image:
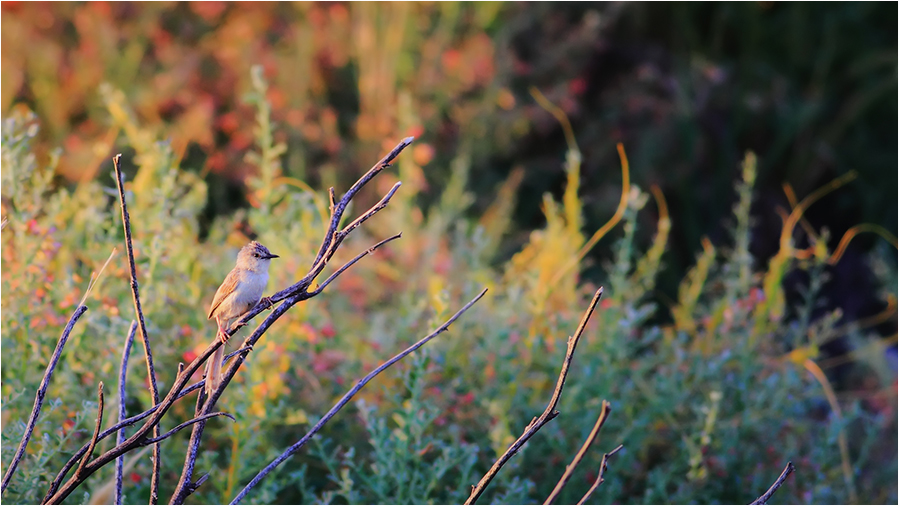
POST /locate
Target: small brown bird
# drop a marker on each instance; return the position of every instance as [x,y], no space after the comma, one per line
[239,293]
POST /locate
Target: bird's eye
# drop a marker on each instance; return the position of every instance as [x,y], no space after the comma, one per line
[256,255]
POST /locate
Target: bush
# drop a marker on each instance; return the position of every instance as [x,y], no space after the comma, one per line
[709,407]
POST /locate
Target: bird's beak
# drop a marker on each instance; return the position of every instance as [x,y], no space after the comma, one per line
[271,255]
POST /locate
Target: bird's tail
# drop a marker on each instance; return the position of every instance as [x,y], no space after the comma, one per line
[214,370]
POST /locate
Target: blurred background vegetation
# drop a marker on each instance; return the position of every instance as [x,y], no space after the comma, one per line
[725,350]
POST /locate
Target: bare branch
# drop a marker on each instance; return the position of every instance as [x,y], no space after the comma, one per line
[187,423]
[548,414]
[135,292]
[603,466]
[90,449]
[292,295]
[764,498]
[120,436]
[336,216]
[347,397]
[603,415]
[54,486]
[199,482]
[58,491]
[39,396]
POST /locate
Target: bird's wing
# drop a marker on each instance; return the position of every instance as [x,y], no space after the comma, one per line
[228,286]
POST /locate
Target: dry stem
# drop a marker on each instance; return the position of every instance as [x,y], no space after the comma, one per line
[90,449]
[603,466]
[603,415]
[135,292]
[120,436]
[39,396]
[764,498]
[548,414]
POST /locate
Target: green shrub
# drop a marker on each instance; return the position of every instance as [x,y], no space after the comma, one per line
[709,407]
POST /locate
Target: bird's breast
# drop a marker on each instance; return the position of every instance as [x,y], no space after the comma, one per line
[246,296]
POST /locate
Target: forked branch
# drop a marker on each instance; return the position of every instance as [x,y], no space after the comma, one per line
[548,414]
[74,459]
[600,478]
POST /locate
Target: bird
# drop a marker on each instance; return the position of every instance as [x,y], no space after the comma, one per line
[239,293]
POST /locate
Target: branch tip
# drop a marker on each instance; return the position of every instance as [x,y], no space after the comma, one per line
[764,498]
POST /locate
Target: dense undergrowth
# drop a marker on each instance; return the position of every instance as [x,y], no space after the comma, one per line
[709,408]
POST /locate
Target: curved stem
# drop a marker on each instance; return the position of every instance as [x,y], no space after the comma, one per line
[39,396]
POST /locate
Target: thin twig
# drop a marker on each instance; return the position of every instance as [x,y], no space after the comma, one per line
[340,207]
[39,396]
[347,397]
[603,415]
[120,436]
[349,264]
[603,466]
[90,449]
[195,485]
[548,414]
[135,292]
[780,481]
[187,423]
[235,353]
[95,277]
[199,482]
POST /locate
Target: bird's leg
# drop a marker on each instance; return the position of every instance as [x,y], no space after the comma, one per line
[266,302]
[222,334]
